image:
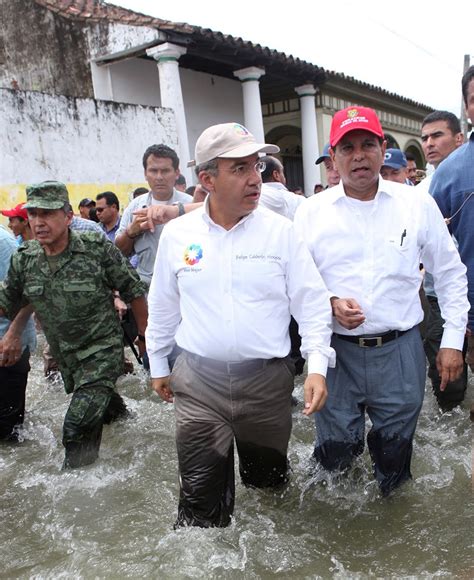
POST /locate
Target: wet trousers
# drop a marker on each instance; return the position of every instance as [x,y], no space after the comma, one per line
[454,393]
[387,382]
[13,381]
[250,405]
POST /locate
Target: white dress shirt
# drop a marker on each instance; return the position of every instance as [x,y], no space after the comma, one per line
[276,197]
[228,295]
[371,251]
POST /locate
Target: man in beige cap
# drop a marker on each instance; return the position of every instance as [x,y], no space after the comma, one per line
[227,278]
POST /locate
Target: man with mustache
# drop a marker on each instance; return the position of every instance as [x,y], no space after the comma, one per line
[69,280]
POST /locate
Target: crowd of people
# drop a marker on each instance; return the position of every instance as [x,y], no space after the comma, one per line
[235,288]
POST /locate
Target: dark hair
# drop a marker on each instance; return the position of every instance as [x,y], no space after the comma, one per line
[93,215]
[190,190]
[467,77]
[161,151]
[450,118]
[110,198]
[181,180]
[410,157]
[211,167]
[271,164]
[139,191]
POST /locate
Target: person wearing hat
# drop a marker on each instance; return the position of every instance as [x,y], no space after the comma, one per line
[368,237]
[394,167]
[85,205]
[18,222]
[332,175]
[69,280]
[227,278]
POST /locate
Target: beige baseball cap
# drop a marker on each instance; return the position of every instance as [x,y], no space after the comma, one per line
[228,140]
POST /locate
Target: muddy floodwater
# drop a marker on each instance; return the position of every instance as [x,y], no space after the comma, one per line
[115,518]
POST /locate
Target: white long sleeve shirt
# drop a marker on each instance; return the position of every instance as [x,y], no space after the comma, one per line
[276,197]
[371,251]
[228,295]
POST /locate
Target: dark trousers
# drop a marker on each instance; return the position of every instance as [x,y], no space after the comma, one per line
[454,392]
[214,411]
[13,381]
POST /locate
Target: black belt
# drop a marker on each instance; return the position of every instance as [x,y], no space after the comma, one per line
[240,368]
[368,340]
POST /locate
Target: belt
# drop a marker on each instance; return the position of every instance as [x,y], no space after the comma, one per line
[240,368]
[368,340]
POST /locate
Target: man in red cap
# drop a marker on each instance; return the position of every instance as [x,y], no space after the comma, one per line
[367,237]
[18,223]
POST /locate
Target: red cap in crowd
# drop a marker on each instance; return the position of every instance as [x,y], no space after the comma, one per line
[352,118]
[17,211]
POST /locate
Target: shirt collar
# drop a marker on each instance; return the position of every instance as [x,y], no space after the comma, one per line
[337,192]
[212,225]
[275,185]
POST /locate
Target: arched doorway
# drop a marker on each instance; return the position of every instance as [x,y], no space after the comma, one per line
[288,138]
[392,143]
[415,149]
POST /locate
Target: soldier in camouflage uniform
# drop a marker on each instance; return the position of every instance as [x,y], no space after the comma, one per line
[69,281]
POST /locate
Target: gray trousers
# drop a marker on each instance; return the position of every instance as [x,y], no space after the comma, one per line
[387,382]
[214,408]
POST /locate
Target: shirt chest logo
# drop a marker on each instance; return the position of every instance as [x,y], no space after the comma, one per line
[192,254]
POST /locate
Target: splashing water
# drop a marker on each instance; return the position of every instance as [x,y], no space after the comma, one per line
[114,519]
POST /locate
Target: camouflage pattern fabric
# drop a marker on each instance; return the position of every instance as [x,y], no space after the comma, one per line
[75,305]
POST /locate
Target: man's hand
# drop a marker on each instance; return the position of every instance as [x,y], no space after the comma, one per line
[139,223]
[449,363]
[347,312]
[149,217]
[315,393]
[162,387]
[10,349]
[120,307]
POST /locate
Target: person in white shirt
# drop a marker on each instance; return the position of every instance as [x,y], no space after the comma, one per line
[367,237]
[274,194]
[227,278]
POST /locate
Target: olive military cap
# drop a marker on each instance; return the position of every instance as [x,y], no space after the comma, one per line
[46,195]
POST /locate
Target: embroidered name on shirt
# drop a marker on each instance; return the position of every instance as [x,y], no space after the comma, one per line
[258,257]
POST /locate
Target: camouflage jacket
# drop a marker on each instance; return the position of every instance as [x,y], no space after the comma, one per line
[75,303]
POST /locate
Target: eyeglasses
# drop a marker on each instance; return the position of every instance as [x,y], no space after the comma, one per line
[246,169]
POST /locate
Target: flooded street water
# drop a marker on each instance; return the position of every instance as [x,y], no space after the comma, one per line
[114,519]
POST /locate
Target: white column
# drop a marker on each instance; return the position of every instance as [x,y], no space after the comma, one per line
[253,119]
[167,56]
[309,136]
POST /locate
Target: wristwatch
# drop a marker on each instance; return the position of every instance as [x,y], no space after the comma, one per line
[180,209]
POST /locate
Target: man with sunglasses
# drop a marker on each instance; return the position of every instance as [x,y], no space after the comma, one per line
[227,278]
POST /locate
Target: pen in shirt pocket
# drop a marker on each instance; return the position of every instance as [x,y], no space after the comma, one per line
[403,236]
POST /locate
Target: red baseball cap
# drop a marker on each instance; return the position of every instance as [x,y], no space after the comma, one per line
[17,211]
[352,118]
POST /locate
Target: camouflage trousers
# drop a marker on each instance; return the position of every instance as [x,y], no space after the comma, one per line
[94,401]
[89,409]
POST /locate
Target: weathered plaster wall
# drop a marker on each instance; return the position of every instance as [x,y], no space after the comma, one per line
[90,145]
[40,51]
[208,99]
